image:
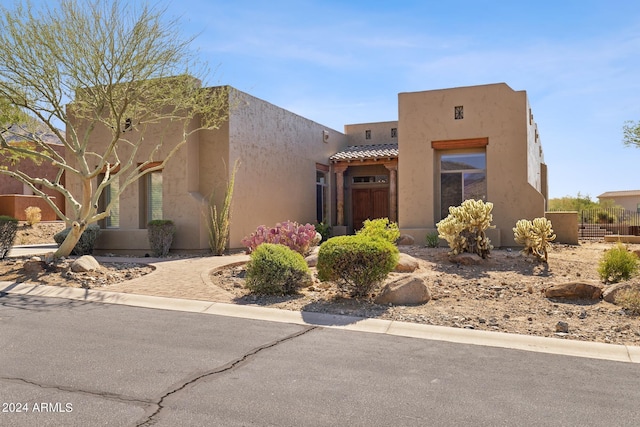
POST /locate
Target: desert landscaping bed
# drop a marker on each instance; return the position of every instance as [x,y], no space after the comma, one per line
[503,293]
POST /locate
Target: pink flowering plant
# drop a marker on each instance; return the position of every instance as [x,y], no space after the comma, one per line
[289,233]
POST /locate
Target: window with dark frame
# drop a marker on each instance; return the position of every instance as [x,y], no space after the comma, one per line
[458,112]
[394,132]
[367,134]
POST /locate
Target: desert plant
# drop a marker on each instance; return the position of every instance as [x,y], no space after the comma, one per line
[618,264]
[86,242]
[276,270]
[324,229]
[289,233]
[534,236]
[160,233]
[33,215]
[8,230]
[432,240]
[464,228]
[356,263]
[219,221]
[629,299]
[380,228]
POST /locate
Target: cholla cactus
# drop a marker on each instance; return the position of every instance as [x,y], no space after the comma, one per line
[534,236]
[464,228]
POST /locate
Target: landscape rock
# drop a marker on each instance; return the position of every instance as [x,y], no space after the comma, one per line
[465,259]
[609,295]
[406,264]
[408,290]
[34,265]
[575,290]
[85,263]
[405,240]
[562,327]
[312,260]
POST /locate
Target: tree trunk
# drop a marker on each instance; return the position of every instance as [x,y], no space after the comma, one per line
[70,241]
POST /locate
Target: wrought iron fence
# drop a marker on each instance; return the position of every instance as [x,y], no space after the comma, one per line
[594,224]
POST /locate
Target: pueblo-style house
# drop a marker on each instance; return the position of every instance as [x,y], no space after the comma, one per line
[446,146]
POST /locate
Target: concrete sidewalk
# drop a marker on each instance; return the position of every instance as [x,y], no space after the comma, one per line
[183,284]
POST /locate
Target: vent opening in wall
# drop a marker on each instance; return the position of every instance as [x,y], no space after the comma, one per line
[367,134]
[394,132]
[458,112]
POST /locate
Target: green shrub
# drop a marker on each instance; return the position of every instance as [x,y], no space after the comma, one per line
[618,264]
[8,230]
[380,228]
[86,242]
[534,236]
[160,233]
[464,228]
[629,299]
[433,240]
[275,269]
[356,263]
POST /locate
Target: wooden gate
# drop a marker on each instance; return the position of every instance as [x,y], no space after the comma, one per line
[369,203]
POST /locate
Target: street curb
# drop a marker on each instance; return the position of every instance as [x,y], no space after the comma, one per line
[613,352]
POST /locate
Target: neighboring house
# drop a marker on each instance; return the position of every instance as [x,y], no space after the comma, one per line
[15,196]
[629,200]
[447,145]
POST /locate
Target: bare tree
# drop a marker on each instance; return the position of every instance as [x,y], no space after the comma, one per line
[119,68]
[631,133]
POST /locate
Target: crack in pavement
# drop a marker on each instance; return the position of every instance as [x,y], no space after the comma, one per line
[225,368]
[107,395]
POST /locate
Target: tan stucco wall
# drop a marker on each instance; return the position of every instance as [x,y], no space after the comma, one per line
[496,112]
[278,151]
[629,203]
[380,133]
[565,226]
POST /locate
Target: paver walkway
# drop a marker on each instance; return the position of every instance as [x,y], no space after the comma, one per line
[186,278]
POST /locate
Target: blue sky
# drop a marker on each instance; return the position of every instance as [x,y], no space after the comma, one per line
[342,62]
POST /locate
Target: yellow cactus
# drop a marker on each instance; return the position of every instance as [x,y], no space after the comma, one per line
[534,236]
[464,228]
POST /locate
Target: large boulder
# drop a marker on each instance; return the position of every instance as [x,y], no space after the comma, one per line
[409,290]
[575,290]
[609,295]
[406,264]
[85,263]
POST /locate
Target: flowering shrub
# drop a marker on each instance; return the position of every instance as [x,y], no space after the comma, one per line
[289,233]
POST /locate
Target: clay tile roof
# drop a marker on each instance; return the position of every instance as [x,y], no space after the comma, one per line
[366,152]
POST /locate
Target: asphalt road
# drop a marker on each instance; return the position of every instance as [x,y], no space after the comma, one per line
[73,363]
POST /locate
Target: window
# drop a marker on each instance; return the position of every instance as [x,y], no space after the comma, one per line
[154,195]
[462,177]
[321,195]
[367,134]
[380,179]
[110,195]
[394,132]
[458,112]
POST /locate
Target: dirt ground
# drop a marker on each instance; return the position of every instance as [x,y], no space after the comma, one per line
[503,293]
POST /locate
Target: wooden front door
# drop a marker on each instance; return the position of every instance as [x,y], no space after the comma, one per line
[369,203]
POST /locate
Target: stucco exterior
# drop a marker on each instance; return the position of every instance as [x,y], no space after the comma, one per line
[629,200]
[14,202]
[493,115]
[283,155]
